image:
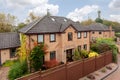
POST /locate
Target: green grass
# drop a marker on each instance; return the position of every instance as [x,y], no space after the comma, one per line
[9,63]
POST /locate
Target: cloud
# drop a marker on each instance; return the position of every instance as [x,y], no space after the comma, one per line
[114,4]
[25,3]
[115,18]
[38,7]
[79,14]
[42,9]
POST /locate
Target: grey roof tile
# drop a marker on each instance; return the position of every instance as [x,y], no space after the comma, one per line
[51,24]
[98,27]
[9,40]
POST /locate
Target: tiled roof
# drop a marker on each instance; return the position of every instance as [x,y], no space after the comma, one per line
[51,24]
[98,27]
[9,40]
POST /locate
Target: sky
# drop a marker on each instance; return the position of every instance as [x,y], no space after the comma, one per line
[77,10]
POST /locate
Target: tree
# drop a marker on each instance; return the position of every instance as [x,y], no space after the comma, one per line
[20,25]
[98,20]
[22,51]
[32,17]
[7,22]
[36,56]
[87,22]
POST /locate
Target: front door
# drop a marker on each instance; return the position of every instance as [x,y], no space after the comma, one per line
[69,55]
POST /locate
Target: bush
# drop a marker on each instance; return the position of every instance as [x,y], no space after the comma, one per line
[76,55]
[17,70]
[106,45]
[93,54]
[84,53]
[9,63]
[36,57]
[51,63]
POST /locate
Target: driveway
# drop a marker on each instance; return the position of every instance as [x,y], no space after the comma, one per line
[115,75]
[4,73]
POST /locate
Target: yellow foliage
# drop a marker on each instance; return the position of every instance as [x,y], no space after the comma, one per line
[93,54]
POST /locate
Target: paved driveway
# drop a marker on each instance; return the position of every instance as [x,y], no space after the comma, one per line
[116,74]
[4,73]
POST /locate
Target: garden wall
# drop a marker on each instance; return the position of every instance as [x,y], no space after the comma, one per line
[73,70]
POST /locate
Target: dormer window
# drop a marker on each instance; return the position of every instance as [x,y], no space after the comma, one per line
[52,19]
[65,20]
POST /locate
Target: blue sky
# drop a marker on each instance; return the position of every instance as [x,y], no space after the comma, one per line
[77,10]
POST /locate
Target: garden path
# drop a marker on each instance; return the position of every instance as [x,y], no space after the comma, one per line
[4,73]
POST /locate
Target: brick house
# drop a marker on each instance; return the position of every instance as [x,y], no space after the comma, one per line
[61,35]
[8,44]
[98,30]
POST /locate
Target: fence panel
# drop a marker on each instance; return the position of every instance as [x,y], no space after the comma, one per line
[108,58]
[58,73]
[88,66]
[30,76]
[75,70]
[100,61]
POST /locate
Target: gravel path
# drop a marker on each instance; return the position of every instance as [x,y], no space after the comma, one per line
[116,74]
[4,73]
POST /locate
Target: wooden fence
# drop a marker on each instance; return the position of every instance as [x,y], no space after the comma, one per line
[73,70]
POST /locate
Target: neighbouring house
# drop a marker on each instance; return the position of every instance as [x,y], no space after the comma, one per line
[98,30]
[8,44]
[60,34]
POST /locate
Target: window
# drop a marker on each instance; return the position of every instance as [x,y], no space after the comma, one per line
[12,52]
[40,38]
[70,36]
[52,55]
[79,48]
[100,32]
[85,34]
[85,46]
[93,32]
[79,35]
[52,37]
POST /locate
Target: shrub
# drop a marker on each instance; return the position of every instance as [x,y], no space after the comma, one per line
[84,53]
[36,57]
[17,70]
[76,55]
[105,45]
[51,63]
[93,54]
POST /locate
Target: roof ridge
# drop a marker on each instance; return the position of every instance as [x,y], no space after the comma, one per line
[35,23]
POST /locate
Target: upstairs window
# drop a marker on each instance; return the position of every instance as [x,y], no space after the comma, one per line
[52,37]
[52,55]
[70,36]
[85,34]
[93,32]
[79,35]
[40,38]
